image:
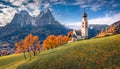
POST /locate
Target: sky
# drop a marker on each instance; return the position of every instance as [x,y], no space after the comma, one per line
[67,12]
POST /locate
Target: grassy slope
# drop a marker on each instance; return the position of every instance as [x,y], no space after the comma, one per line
[96,53]
[9,61]
[87,54]
[12,61]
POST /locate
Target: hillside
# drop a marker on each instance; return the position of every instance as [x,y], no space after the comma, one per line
[98,53]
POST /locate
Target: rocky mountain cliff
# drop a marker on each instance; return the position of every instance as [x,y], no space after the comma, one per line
[22,24]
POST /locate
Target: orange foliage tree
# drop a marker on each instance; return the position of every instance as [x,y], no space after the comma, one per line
[49,42]
[30,43]
[59,40]
[66,39]
[54,41]
[111,29]
[21,47]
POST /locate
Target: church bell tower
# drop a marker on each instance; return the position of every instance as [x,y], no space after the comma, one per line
[84,26]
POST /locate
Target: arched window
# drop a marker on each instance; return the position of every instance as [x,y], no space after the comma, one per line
[82,25]
[82,22]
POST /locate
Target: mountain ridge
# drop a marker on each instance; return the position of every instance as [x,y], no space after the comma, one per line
[23,24]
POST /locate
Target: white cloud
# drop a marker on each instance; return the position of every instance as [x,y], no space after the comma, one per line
[115,5]
[53,0]
[7,16]
[97,5]
[9,12]
[32,7]
[1,5]
[46,5]
[18,2]
[85,6]
[100,20]
[35,12]
[75,25]
[105,20]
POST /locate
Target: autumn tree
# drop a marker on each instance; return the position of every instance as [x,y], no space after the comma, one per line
[54,41]
[111,29]
[59,40]
[30,43]
[66,39]
[21,47]
[49,42]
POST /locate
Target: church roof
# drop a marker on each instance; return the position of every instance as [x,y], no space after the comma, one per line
[73,35]
[77,33]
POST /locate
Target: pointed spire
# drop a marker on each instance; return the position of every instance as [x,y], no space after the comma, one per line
[84,13]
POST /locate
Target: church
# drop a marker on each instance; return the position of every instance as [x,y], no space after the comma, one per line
[83,33]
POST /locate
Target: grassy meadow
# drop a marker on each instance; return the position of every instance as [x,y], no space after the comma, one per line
[10,61]
[97,53]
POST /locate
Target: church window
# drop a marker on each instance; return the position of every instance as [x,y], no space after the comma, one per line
[82,25]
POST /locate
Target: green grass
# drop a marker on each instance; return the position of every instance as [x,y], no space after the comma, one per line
[98,53]
[12,61]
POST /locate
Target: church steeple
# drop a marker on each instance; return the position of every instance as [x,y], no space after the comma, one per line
[84,26]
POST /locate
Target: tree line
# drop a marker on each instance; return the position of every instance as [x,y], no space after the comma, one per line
[31,44]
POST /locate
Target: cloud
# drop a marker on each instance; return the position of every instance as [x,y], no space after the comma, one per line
[115,5]
[10,7]
[75,25]
[107,19]
[7,15]
[28,5]
[95,7]
[85,6]
[33,6]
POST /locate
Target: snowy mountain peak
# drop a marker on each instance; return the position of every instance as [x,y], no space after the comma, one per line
[24,19]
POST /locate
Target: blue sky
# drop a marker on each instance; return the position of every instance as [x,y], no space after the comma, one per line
[68,12]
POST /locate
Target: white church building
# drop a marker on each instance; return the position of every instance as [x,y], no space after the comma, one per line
[83,33]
